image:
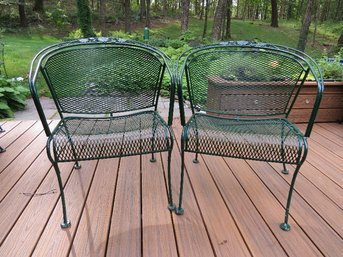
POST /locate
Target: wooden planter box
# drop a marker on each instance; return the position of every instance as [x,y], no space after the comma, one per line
[331,107]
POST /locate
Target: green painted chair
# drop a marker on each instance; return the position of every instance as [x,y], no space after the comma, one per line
[106,91]
[2,149]
[2,60]
[241,94]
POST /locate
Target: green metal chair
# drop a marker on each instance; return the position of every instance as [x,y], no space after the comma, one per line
[2,60]
[241,94]
[106,91]
[2,149]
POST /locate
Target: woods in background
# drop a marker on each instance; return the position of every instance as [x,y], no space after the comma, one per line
[24,12]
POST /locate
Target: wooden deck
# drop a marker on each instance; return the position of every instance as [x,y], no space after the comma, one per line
[118,207]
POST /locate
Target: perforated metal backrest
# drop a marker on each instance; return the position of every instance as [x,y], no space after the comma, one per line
[243,81]
[94,78]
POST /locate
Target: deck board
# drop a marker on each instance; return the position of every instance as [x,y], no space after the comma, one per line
[118,207]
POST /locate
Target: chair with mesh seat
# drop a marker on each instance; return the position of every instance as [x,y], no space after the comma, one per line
[2,60]
[241,94]
[106,91]
[2,149]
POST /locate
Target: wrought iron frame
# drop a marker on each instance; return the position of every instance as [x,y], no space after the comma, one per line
[37,67]
[300,57]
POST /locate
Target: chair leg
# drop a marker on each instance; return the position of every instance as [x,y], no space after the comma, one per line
[171,205]
[2,150]
[77,165]
[66,223]
[285,170]
[180,210]
[153,159]
[285,226]
[195,160]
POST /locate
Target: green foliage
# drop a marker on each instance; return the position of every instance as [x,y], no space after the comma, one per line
[332,69]
[76,34]
[58,16]
[85,19]
[12,97]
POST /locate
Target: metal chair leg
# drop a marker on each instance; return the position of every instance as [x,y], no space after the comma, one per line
[285,226]
[180,210]
[171,205]
[285,170]
[66,223]
[2,150]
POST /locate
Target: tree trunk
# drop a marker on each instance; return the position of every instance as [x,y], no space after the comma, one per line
[85,20]
[237,10]
[38,6]
[274,14]
[340,41]
[127,15]
[165,8]
[22,14]
[147,14]
[142,9]
[102,10]
[202,9]
[207,2]
[184,15]
[305,26]
[218,20]
[228,20]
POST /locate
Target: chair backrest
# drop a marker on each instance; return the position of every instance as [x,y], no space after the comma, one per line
[244,79]
[101,75]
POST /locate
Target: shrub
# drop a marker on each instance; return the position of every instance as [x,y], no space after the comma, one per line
[12,97]
[332,69]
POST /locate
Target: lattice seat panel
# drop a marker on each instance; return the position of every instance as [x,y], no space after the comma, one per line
[94,138]
[274,140]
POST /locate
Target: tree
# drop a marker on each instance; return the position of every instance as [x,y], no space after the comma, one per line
[207,2]
[102,10]
[305,26]
[185,15]
[127,15]
[274,14]
[84,17]
[218,20]
[38,6]
[228,20]
[340,40]
[22,14]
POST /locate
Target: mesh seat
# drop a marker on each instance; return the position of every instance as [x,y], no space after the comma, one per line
[241,94]
[274,140]
[85,138]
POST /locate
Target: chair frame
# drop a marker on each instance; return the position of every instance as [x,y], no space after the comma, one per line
[184,76]
[2,149]
[111,44]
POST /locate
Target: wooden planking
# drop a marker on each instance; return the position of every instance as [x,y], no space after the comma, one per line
[8,126]
[158,235]
[25,234]
[25,136]
[91,236]
[16,132]
[21,162]
[326,239]
[125,231]
[256,233]
[54,240]
[335,128]
[190,231]
[296,242]
[15,202]
[330,134]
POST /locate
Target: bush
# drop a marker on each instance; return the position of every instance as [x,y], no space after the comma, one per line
[332,69]
[12,97]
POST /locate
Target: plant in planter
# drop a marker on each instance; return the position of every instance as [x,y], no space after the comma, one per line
[331,67]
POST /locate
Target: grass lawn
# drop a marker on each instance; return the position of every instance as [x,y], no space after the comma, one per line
[20,48]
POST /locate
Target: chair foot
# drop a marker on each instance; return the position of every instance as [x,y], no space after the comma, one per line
[285,171]
[179,211]
[2,150]
[195,161]
[172,207]
[65,224]
[153,159]
[285,226]
[77,165]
